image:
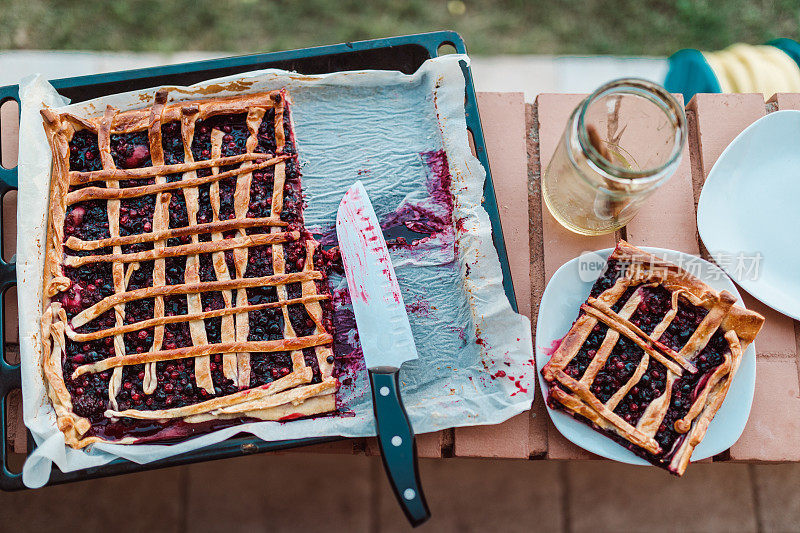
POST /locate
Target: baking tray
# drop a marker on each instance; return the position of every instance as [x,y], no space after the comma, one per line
[405,53]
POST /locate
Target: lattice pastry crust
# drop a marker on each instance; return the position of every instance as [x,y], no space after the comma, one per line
[650,357]
[179,279]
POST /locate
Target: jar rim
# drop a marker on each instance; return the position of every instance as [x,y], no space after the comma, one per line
[662,99]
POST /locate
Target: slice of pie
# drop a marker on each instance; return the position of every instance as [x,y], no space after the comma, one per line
[651,356]
[181,290]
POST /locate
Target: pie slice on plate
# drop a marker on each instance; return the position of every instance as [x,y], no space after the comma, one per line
[651,356]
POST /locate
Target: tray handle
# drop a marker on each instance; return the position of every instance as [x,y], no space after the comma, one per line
[8,176]
[10,377]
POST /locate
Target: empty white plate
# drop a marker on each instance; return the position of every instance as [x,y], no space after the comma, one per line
[568,289]
[749,211]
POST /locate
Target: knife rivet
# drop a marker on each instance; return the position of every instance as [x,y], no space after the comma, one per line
[384,391]
[409,494]
[249,448]
[397,440]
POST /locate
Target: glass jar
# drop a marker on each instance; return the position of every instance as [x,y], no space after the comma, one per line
[620,144]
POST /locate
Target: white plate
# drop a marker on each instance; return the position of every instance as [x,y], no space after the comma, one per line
[757,177]
[569,288]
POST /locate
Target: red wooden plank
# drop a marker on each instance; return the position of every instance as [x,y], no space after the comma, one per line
[667,219]
[537,431]
[786,100]
[558,447]
[772,433]
[429,445]
[537,434]
[772,430]
[560,245]
[504,128]
[507,440]
[345,446]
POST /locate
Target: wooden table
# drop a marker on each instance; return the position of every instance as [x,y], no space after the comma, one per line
[520,139]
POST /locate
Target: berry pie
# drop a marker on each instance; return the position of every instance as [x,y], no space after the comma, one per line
[651,356]
[182,292]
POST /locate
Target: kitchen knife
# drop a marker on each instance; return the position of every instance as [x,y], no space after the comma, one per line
[386,341]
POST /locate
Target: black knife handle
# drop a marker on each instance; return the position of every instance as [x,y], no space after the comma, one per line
[398,448]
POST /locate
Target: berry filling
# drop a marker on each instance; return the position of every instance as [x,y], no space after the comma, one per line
[310,357]
[87,221]
[686,321]
[131,150]
[260,195]
[259,262]
[136,217]
[619,368]
[613,270]
[234,139]
[654,305]
[292,196]
[88,285]
[90,391]
[172,143]
[84,152]
[577,366]
[687,387]
[267,367]
[650,386]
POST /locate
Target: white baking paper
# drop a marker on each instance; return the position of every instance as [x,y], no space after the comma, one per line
[386,129]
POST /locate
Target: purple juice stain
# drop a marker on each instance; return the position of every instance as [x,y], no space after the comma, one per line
[433,215]
[349,357]
[427,218]
[439,181]
[419,306]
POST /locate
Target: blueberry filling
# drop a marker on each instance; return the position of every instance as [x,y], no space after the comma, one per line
[577,366]
[131,150]
[686,321]
[618,369]
[614,270]
[84,152]
[655,303]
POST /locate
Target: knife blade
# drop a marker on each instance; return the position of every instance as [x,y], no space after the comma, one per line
[386,341]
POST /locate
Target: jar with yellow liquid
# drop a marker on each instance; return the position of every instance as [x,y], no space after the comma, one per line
[620,144]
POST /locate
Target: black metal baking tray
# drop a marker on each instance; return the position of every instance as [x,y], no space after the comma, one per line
[405,54]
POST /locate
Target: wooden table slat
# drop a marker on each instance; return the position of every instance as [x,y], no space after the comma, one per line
[668,219]
[504,127]
[773,430]
[560,245]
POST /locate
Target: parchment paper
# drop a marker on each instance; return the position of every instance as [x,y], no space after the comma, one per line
[389,130]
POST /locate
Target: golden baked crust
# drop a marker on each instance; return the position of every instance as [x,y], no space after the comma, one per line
[302,390]
[693,346]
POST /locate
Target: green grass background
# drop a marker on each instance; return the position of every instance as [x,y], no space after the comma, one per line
[645,27]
